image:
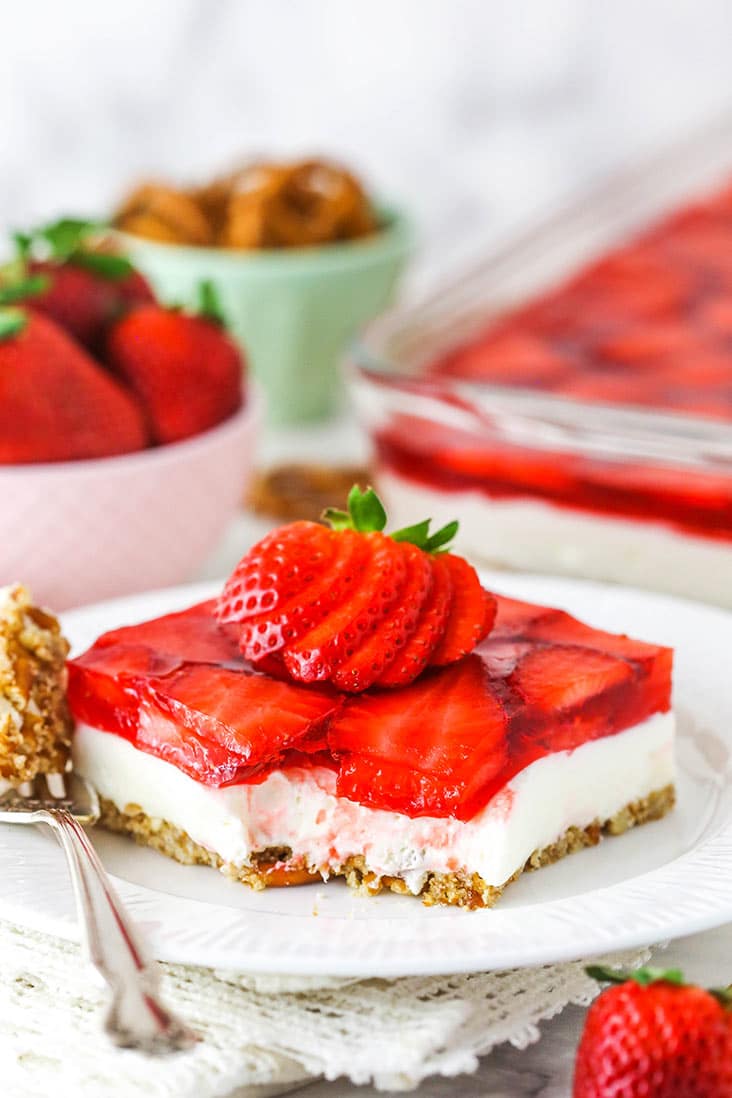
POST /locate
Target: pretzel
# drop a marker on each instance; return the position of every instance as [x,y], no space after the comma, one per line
[259,205]
[163,213]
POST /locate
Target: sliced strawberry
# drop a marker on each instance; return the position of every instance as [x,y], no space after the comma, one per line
[270,632]
[428,749]
[247,715]
[368,661]
[645,345]
[186,636]
[277,568]
[312,657]
[472,613]
[513,617]
[563,676]
[561,628]
[412,659]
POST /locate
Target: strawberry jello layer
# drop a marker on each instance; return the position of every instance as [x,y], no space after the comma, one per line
[648,326]
[519,753]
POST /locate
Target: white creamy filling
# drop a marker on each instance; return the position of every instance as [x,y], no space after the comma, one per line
[298,808]
[536,536]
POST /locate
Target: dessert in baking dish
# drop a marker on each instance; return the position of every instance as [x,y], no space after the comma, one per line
[550,486]
[357,705]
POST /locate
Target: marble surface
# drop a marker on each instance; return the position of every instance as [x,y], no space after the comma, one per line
[474,113]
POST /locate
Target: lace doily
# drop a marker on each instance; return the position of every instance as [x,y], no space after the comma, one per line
[255,1030]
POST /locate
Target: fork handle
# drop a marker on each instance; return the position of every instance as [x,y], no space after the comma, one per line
[137,1018]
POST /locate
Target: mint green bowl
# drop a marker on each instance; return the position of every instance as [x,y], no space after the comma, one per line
[293,310]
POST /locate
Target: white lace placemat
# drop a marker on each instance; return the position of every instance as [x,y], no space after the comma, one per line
[264,1030]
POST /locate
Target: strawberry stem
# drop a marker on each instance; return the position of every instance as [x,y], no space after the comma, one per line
[643,976]
[366,513]
[12,322]
[68,240]
[22,288]
[209,303]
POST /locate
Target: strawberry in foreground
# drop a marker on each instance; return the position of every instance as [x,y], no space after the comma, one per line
[185,368]
[653,1036]
[353,605]
[56,403]
[83,289]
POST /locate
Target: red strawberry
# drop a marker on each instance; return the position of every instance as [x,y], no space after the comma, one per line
[472,613]
[269,633]
[652,1036]
[82,289]
[56,403]
[378,651]
[427,749]
[185,369]
[340,605]
[562,676]
[414,656]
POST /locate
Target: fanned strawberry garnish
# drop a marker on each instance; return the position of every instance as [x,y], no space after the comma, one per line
[274,572]
[413,657]
[352,605]
[314,656]
[377,652]
[472,613]
[269,633]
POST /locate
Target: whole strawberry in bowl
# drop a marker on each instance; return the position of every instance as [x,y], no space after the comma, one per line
[651,1035]
[127,431]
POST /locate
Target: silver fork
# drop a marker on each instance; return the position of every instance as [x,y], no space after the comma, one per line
[137,1018]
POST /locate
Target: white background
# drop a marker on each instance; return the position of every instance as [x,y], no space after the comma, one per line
[473,112]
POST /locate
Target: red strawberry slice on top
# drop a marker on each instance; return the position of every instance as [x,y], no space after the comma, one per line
[317,594]
[472,613]
[412,657]
[314,655]
[280,566]
[427,748]
[248,715]
[381,648]
[562,677]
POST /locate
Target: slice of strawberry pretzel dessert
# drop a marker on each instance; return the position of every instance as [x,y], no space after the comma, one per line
[355,704]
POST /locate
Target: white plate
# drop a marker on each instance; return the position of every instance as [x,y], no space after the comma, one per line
[666,879]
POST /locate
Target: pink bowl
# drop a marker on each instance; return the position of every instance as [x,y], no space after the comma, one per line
[80,531]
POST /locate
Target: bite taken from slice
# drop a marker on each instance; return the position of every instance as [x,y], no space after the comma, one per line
[355,704]
[35,722]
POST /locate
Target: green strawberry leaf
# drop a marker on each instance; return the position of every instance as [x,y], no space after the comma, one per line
[209,303]
[23,288]
[12,322]
[106,264]
[723,995]
[366,513]
[441,537]
[339,520]
[23,244]
[366,510]
[643,976]
[418,534]
[67,235]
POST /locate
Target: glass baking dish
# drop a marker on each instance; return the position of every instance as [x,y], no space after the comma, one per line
[555,483]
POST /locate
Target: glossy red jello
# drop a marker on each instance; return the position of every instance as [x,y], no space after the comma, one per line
[649,327]
[541,682]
